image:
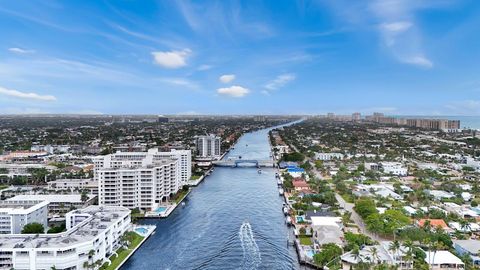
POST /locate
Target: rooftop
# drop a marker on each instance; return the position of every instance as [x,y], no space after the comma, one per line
[52,198]
[100,218]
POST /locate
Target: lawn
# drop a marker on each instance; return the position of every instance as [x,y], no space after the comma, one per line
[195,177]
[180,195]
[3,187]
[305,240]
[123,253]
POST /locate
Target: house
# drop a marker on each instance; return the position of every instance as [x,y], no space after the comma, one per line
[394,168]
[469,247]
[471,227]
[434,223]
[383,255]
[315,213]
[443,260]
[299,184]
[327,230]
[440,194]
[295,171]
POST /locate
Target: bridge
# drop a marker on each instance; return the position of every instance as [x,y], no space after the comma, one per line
[243,163]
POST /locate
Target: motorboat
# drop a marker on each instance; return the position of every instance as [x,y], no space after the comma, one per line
[259,171]
[289,220]
[280,191]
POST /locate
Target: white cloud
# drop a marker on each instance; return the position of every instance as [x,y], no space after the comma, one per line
[418,60]
[20,51]
[233,91]
[227,78]
[280,81]
[23,95]
[171,59]
[396,27]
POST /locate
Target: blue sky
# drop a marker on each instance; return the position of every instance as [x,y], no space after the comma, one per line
[240,57]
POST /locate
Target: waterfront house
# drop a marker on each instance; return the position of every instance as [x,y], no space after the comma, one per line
[327,230]
[299,184]
[377,254]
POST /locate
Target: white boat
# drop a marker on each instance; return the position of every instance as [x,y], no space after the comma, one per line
[285,210]
[289,220]
[280,191]
[279,182]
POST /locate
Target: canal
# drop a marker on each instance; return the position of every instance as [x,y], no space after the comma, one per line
[232,220]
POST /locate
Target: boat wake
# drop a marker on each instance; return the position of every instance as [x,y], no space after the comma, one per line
[251,252]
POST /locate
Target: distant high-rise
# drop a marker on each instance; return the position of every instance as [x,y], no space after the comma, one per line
[208,146]
[356,116]
[162,119]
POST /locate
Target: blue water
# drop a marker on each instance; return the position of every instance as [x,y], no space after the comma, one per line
[233,220]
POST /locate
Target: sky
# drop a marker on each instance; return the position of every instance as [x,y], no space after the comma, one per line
[399,57]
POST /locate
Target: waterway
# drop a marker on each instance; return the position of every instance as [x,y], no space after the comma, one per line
[232,220]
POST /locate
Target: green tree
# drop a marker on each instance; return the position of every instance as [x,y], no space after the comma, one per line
[329,252]
[33,227]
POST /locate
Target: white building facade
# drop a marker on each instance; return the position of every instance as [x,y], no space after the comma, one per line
[141,179]
[14,215]
[208,146]
[97,229]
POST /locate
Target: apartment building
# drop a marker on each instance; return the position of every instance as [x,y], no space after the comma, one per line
[140,179]
[57,203]
[208,146]
[74,184]
[329,156]
[14,215]
[94,228]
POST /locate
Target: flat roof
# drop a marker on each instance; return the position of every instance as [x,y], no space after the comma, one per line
[442,257]
[100,218]
[52,198]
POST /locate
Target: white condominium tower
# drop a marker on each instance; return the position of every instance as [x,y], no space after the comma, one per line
[141,179]
[208,146]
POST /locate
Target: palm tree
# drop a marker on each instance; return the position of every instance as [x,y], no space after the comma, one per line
[356,254]
[375,257]
[394,247]
[465,225]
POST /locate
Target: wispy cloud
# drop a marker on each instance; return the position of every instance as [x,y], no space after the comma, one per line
[464,107]
[204,67]
[171,59]
[227,78]
[280,81]
[24,95]
[20,50]
[233,91]
[179,82]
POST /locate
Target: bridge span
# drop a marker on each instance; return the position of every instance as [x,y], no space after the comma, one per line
[243,163]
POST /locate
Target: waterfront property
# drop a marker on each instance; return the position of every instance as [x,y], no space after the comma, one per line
[93,234]
[141,179]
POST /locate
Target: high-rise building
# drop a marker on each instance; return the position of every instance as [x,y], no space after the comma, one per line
[208,146]
[141,179]
[356,116]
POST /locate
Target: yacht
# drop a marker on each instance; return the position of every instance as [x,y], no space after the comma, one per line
[280,191]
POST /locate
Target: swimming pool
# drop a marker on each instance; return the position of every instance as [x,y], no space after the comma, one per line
[161,209]
[309,253]
[141,231]
[300,219]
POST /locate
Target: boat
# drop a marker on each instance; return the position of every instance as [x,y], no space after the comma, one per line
[183,203]
[285,210]
[289,220]
[239,157]
[259,171]
[280,191]
[279,182]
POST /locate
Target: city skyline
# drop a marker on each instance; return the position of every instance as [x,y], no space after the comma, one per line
[308,57]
